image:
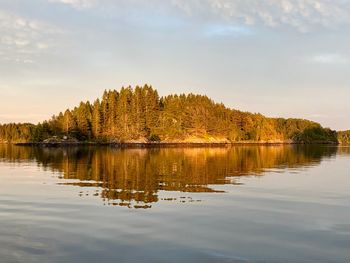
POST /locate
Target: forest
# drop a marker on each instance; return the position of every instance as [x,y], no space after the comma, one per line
[344,137]
[140,115]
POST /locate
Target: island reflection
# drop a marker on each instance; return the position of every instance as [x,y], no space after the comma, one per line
[134,177]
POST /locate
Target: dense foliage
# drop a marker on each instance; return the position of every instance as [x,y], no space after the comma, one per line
[17,132]
[344,137]
[141,115]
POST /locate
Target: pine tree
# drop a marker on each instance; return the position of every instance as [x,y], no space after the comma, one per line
[140,113]
[69,124]
[96,120]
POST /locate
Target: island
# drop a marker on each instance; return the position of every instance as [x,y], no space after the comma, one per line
[139,116]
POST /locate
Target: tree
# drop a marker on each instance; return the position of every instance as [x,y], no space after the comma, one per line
[97,120]
[140,113]
[69,124]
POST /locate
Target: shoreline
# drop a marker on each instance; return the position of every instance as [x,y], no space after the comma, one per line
[168,144]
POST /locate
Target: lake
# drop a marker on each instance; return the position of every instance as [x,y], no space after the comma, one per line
[223,204]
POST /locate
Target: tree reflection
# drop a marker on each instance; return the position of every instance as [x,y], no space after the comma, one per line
[134,177]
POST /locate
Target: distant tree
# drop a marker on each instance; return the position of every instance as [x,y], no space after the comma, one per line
[97,120]
[343,137]
[69,123]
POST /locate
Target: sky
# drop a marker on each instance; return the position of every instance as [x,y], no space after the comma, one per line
[281,58]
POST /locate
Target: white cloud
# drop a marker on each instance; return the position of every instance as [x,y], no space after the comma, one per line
[42,46]
[304,15]
[22,38]
[300,14]
[329,59]
[80,4]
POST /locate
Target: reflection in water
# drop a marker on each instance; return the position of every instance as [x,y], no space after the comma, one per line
[133,177]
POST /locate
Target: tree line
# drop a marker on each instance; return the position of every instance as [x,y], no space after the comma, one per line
[140,114]
[344,137]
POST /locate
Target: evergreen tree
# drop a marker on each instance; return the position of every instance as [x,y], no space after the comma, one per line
[97,120]
[134,114]
[69,124]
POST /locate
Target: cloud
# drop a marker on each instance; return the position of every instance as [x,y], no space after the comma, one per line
[22,38]
[303,15]
[227,30]
[79,4]
[329,59]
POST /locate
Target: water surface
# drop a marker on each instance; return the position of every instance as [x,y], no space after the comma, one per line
[228,204]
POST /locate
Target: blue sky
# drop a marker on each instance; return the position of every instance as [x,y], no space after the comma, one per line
[282,58]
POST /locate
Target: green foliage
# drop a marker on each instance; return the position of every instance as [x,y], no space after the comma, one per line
[154,138]
[140,114]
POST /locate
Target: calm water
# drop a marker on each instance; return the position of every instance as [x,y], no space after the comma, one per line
[237,204]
